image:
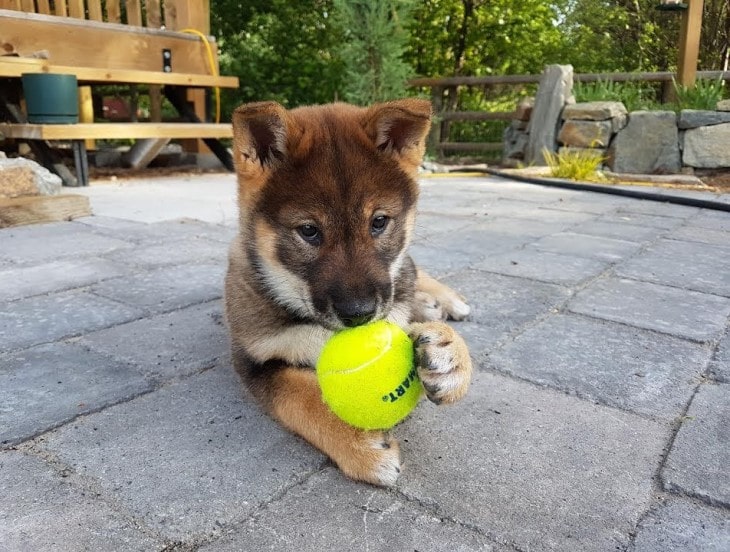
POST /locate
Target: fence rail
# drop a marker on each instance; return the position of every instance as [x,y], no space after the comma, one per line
[444,96]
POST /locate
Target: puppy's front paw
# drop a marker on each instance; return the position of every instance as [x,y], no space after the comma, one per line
[373,457]
[443,361]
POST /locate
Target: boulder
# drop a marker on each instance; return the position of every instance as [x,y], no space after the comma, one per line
[515,143]
[693,118]
[723,105]
[598,111]
[707,147]
[23,177]
[554,91]
[649,144]
[585,134]
[523,111]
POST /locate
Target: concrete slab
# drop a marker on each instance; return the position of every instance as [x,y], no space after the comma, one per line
[41,509]
[583,245]
[532,467]
[618,230]
[502,304]
[167,288]
[544,266]
[48,318]
[627,368]
[175,252]
[169,345]
[697,464]
[46,386]
[690,265]
[45,242]
[690,233]
[206,197]
[720,365]
[679,312]
[351,517]
[683,525]
[27,281]
[189,460]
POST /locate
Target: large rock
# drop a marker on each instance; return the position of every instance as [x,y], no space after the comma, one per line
[693,118]
[585,134]
[707,147]
[554,91]
[723,105]
[649,144]
[515,143]
[594,111]
[23,177]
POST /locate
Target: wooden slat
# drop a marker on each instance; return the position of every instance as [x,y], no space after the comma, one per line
[44,7]
[116,130]
[36,209]
[77,42]
[154,14]
[134,12]
[15,67]
[10,5]
[60,8]
[170,15]
[477,115]
[27,5]
[95,13]
[76,9]
[113,12]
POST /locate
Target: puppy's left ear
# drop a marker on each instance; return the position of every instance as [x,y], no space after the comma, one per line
[400,128]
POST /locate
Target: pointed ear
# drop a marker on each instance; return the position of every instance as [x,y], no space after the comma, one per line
[400,128]
[259,137]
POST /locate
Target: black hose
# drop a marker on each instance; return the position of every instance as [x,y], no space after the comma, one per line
[637,194]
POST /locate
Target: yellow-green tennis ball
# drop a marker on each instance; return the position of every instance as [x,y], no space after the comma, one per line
[368,377]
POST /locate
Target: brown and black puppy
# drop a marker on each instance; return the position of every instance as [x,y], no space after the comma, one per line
[327,199]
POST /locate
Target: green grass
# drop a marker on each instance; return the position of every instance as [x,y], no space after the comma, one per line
[703,95]
[575,164]
[634,95]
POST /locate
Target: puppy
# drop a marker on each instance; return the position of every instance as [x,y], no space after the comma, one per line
[327,198]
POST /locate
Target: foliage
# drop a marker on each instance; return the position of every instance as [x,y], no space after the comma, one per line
[633,94]
[280,50]
[580,164]
[374,37]
[703,95]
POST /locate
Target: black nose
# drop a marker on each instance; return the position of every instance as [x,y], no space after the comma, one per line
[355,312]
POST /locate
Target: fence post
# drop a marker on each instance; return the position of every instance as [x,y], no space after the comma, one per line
[434,137]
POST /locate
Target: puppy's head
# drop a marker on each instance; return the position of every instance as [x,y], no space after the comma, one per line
[327,197]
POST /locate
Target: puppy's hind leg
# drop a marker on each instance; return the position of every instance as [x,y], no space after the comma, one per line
[292,396]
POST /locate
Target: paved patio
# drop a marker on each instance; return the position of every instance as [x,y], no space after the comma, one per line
[599,418]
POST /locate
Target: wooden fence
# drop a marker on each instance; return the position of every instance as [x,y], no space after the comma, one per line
[444,95]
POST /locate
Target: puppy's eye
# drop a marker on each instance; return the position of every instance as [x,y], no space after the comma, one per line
[378,225]
[310,234]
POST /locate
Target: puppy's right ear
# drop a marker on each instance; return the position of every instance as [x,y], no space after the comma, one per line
[259,138]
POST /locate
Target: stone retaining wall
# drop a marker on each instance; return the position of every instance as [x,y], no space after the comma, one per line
[648,142]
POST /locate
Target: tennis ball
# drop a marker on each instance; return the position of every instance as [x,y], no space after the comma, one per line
[367,375]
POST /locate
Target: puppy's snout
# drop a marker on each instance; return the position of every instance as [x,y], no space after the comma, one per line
[355,312]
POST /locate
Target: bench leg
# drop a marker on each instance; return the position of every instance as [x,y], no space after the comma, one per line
[82,163]
[177,97]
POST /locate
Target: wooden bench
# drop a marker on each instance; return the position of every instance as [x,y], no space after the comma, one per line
[162,45]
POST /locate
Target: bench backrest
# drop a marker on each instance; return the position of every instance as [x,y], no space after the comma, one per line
[142,13]
[115,34]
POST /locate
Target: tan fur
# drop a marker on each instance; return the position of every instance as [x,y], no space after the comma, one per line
[334,168]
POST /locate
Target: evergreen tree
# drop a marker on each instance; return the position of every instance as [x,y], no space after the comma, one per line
[375,38]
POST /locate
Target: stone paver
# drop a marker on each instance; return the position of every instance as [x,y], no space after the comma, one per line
[583,245]
[46,318]
[533,467]
[41,509]
[624,367]
[167,288]
[666,309]
[214,459]
[124,427]
[48,385]
[690,265]
[168,345]
[351,517]
[26,281]
[682,525]
[705,428]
